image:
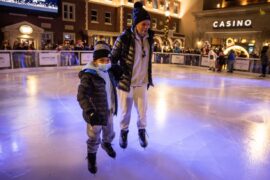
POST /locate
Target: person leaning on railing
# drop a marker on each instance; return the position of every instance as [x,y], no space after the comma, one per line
[5,45]
[264,60]
[231,60]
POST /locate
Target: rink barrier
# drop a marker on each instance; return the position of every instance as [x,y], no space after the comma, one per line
[13,59]
[241,64]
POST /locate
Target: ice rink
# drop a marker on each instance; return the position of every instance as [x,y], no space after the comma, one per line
[201,126]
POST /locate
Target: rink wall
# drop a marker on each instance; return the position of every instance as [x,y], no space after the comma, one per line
[241,64]
[14,59]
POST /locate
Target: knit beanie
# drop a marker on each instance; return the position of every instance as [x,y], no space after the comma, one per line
[139,13]
[101,49]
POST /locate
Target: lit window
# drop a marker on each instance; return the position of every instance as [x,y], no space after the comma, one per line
[94,16]
[154,23]
[108,18]
[174,26]
[68,13]
[129,19]
[176,8]
[155,4]
[161,4]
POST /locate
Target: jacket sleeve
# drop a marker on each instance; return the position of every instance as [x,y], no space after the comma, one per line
[116,51]
[84,96]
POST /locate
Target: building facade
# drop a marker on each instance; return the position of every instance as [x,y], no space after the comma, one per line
[68,23]
[241,24]
[107,19]
[87,20]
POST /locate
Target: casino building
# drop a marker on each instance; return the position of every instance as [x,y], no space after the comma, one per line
[240,23]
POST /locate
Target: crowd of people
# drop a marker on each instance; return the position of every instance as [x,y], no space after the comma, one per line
[217,59]
[24,56]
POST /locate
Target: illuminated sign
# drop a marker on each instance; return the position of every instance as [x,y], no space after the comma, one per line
[232,24]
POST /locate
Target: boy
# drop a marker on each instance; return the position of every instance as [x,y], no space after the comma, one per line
[98,100]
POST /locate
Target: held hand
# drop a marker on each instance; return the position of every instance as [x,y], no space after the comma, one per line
[117,71]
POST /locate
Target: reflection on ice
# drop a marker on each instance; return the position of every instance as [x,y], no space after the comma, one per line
[259,134]
[161,106]
[14,146]
[259,142]
[201,125]
[31,85]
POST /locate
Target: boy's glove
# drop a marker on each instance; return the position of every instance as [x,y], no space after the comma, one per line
[117,71]
[94,119]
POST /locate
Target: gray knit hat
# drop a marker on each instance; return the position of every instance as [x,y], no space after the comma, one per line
[101,49]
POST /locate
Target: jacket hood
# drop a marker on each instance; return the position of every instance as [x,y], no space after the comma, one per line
[88,68]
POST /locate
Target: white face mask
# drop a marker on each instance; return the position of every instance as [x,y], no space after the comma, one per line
[104,67]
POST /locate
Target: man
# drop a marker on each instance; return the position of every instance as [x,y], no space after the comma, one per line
[133,49]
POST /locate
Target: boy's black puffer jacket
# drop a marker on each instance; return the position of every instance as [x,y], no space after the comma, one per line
[92,96]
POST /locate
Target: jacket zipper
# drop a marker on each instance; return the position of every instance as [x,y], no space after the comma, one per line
[91,101]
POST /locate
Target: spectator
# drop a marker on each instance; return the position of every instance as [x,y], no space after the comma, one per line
[176,49]
[212,57]
[5,45]
[264,60]
[220,60]
[231,61]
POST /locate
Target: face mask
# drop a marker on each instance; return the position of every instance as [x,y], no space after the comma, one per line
[104,67]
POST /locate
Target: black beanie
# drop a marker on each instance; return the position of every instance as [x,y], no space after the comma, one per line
[139,13]
[101,49]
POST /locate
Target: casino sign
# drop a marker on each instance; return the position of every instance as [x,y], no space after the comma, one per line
[232,24]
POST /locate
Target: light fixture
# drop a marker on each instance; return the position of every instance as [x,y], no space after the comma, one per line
[26,29]
[218,5]
[167,13]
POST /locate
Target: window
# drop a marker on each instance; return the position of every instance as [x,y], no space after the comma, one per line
[154,23]
[176,8]
[108,18]
[174,26]
[94,16]
[69,36]
[155,4]
[129,19]
[47,40]
[68,13]
[161,4]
